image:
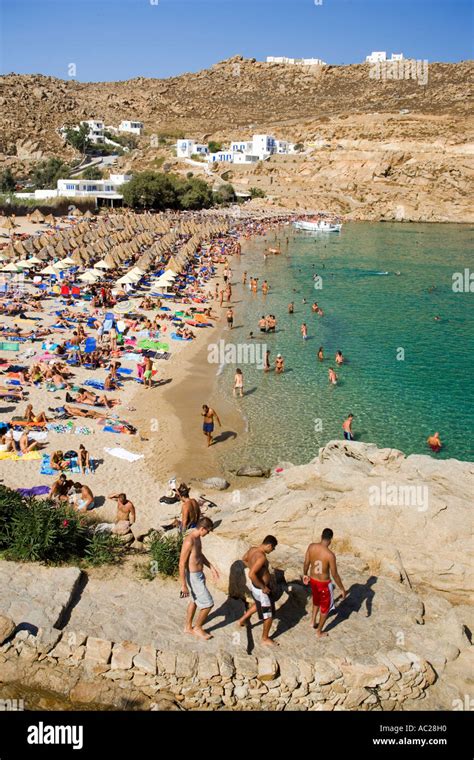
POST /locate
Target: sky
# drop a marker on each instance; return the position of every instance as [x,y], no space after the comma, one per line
[110,40]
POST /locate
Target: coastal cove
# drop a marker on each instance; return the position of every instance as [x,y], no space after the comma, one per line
[406,373]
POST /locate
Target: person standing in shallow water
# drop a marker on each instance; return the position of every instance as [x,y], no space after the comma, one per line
[208,423]
[238,383]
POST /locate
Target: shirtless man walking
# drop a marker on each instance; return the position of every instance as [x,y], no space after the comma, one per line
[259,579]
[320,561]
[193,580]
[208,424]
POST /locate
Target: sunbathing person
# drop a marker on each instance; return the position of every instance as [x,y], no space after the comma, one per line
[75,411]
[37,419]
[25,446]
[87,397]
[6,442]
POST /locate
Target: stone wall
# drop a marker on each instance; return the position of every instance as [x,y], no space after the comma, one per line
[86,669]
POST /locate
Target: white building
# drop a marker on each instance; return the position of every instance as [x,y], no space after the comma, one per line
[104,189]
[135,127]
[186,147]
[241,146]
[296,61]
[259,148]
[221,155]
[263,146]
[380,56]
[96,130]
[244,158]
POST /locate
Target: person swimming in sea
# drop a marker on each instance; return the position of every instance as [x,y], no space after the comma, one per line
[332,376]
[321,354]
[434,442]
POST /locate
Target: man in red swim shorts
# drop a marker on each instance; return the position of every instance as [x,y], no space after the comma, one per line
[320,561]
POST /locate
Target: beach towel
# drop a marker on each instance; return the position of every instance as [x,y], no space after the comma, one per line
[123,454]
[16,457]
[35,435]
[132,357]
[57,427]
[8,346]
[97,384]
[83,430]
[124,371]
[153,345]
[174,336]
[46,468]
[35,491]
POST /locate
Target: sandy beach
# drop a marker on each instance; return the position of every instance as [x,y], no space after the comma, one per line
[169,438]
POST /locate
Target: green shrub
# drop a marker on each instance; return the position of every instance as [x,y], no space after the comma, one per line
[9,501]
[256,192]
[103,549]
[214,146]
[40,532]
[165,551]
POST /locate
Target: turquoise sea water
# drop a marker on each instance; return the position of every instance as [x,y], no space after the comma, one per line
[369,316]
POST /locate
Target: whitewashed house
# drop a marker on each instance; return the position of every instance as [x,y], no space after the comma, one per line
[96,130]
[242,146]
[244,158]
[135,127]
[221,155]
[376,57]
[263,146]
[381,56]
[186,147]
[103,191]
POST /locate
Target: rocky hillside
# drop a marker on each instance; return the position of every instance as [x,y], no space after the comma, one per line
[367,160]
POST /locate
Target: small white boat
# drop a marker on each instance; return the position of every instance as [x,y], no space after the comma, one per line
[320,226]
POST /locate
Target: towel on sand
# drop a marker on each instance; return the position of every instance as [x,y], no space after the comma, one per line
[35,491]
[16,457]
[35,435]
[123,454]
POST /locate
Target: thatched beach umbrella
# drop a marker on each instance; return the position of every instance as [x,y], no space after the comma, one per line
[76,212]
[20,248]
[50,219]
[9,223]
[37,216]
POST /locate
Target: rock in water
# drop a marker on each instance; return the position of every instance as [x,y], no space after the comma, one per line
[253,472]
[220,484]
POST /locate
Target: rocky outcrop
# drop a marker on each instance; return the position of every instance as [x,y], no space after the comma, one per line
[378,503]
[35,594]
